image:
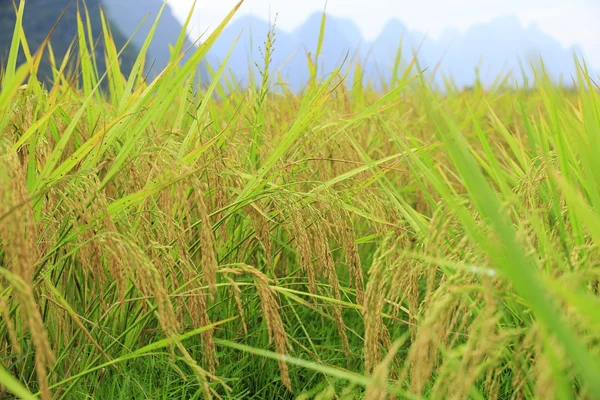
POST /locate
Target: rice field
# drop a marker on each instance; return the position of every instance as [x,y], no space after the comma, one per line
[162,239]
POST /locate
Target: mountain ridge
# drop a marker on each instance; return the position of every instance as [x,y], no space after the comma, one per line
[124,17]
[38,20]
[484,51]
[139,15]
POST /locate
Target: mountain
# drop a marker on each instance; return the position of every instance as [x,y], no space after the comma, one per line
[250,33]
[124,16]
[501,46]
[484,51]
[342,41]
[38,19]
[129,15]
[394,37]
[342,38]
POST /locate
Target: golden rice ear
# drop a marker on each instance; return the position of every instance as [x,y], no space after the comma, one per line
[377,389]
[10,327]
[207,243]
[151,283]
[196,306]
[328,269]
[482,344]
[19,233]
[345,234]
[262,231]
[201,375]
[377,287]
[423,354]
[270,313]
[545,381]
[298,232]
[237,295]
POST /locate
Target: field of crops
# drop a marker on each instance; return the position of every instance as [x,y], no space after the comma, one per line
[163,241]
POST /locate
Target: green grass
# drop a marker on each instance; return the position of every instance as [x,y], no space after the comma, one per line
[164,240]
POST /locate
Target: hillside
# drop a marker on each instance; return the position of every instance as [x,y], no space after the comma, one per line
[129,16]
[341,39]
[499,46]
[38,20]
[485,50]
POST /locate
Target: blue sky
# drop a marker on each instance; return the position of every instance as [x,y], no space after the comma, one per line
[569,21]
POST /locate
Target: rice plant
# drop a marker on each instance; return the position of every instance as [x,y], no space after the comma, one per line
[168,239]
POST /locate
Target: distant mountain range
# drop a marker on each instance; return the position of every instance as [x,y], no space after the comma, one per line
[129,15]
[39,18]
[485,50]
[124,17]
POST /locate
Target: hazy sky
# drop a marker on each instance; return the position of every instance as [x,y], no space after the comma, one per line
[569,21]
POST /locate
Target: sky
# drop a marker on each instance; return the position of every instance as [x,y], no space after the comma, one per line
[569,21]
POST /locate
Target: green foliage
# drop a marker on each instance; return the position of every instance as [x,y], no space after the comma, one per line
[157,242]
